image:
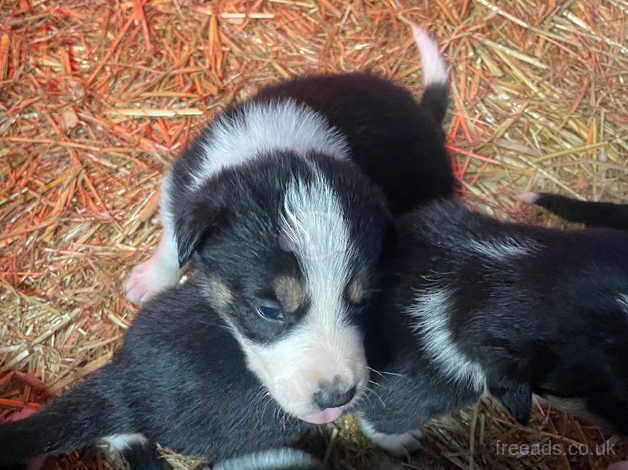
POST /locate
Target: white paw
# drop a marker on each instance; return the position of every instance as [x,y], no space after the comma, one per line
[400,445]
[149,278]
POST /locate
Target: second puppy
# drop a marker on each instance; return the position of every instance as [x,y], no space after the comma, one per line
[474,305]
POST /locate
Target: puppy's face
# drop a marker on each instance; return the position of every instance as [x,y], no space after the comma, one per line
[287,249]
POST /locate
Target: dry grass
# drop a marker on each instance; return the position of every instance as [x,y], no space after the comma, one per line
[96,97]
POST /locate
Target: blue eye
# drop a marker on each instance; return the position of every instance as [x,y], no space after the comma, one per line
[270,313]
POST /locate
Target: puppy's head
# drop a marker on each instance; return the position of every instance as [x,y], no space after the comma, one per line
[287,248]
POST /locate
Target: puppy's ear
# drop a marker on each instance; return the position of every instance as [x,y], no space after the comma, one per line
[515,397]
[194,224]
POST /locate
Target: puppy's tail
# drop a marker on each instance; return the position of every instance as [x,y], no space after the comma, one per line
[71,421]
[436,93]
[273,459]
[593,214]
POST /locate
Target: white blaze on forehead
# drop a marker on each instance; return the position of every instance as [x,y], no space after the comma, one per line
[314,229]
[431,311]
[261,127]
[324,345]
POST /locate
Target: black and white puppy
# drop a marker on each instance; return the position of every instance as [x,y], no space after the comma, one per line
[271,205]
[180,379]
[474,305]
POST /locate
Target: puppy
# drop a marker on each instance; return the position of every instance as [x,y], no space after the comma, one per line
[179,378]
[272,207]
[474,305]
[284,233]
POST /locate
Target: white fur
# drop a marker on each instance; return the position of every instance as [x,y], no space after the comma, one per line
[622,300]
[529,197]
[434,67]
[120,442]
[431,309]
[501,249]
[323,345]
[161,270]
[265,126]
[275,459]
[397,444]
[157,273]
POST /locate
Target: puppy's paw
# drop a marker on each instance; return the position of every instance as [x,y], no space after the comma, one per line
[401,445]
[147,279]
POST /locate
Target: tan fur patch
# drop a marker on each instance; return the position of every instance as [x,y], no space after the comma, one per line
[355,290]
[289,292]
[219,294]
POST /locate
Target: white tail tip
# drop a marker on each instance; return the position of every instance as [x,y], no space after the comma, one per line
[529,197]
[434,67]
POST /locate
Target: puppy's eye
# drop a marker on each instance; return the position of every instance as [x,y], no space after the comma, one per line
[270,313]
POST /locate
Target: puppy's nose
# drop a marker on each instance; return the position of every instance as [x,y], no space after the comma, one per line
[333,394]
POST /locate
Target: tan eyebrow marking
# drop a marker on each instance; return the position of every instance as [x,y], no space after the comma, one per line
[289,292]
[219,294]
[355,289]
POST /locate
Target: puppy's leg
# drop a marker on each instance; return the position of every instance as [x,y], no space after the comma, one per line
[400,445]
[155,274]
[138,451]
[161,270]
[90,410]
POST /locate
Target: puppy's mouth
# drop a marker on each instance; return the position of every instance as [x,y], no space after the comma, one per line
[328,415]
[331,414]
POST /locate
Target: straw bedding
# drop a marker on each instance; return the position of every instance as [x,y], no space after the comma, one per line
[97,97]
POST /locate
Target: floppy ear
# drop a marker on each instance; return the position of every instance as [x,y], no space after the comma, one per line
[194,224]
[515,397]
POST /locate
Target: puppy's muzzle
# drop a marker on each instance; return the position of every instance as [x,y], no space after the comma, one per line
[333,394]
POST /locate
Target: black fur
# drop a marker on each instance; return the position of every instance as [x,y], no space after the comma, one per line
[179,378]
[144,456]
[396,141]
[593,214]
[551,321]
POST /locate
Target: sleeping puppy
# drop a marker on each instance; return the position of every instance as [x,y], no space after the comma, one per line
[285,231]
[474,305]
[180,379]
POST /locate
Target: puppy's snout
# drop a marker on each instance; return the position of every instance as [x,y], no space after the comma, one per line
[333,394]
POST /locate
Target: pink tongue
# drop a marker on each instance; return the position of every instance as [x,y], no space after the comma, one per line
[326,416]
